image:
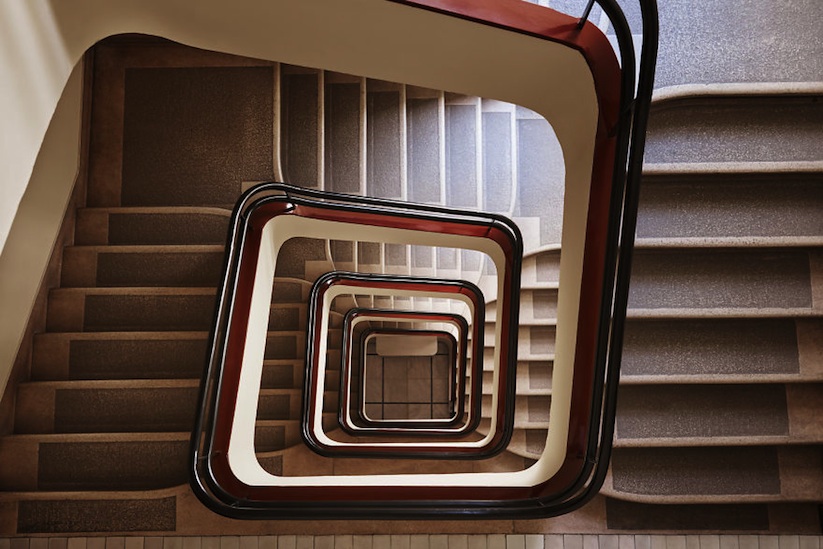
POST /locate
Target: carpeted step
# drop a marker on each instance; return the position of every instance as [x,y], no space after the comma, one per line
[143,266]
[698,208]
[385,139]
[540,176]
[134,461]
[151,226]
[106,406]
[728,128]
[342,134]
[130,309]
[73,513]
[533,378]
[721,279]
[462,143]
[541,269]
[537,306]
[533,342]
[701,412]
[119,355]
[147,355]
[719,349]
[499,156]
[302,126]
[718,474]
[530,411]
[424,121]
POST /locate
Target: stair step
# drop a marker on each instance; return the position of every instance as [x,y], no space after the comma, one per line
[302,126]
[462,130]
[106,512]
[702,412]
[728,128]
[140,266]
[341,132]
[744,206]
[119,355]
[530,411]
[533,378]
[106,406]
[719,474]
[151,226]
[733,349]
[131,309]
[70,462]
[722,279]
[385,114]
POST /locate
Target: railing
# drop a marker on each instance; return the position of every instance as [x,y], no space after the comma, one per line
[597,254]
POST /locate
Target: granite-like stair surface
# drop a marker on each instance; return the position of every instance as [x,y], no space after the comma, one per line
[717,425]
[729,127]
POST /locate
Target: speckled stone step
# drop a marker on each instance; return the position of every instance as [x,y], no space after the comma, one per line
[696,350]
[721,279]
[302,125]
[728,128]
[533,378]
[342,134]
[139,461]
[716,474]
[530,411]
[130,309]
[98,512]
[106,406]
[117,355]
[133,266]
[702,412]
[736,207]
[151,226]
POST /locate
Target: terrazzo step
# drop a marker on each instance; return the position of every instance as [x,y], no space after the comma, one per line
[679,415]
[129,406]
[541,269]
[144,355]
[119,461]
[142,266]
[735,128]
[302,125]
[119,355]
[778,206]
[342,133]
[697,518]
[540,180]
[499,153]
[739,350]
[463,139]
[533,342]
[723,279]
[424,146]
[106,406]
[385,139]
[716,474]
[537,307]
[96,512]
[161,226]
[533,378]
[530,411]
[130,309]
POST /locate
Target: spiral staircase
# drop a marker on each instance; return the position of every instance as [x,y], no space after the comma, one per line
[718,419]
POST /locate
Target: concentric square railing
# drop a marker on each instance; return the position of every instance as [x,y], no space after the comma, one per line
[599,117]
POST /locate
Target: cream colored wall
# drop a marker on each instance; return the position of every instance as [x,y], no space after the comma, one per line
[37,223]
